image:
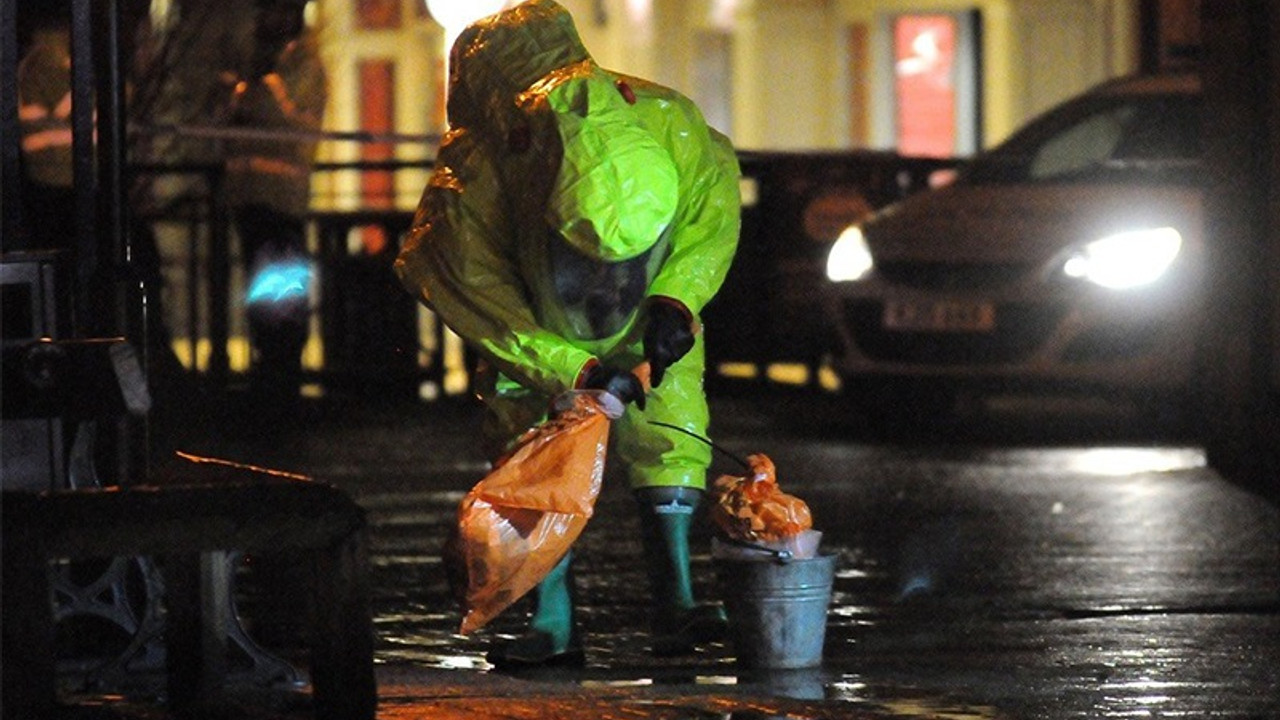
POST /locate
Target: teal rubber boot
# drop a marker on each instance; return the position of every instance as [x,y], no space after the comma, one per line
[679,623]
[552,637]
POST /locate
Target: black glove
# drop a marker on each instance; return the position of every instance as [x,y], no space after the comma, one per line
[668,335]
[621,384]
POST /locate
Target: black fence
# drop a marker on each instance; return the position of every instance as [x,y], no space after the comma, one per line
[373,333]
[367,326]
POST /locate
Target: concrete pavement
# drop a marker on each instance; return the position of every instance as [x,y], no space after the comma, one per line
[1025,575]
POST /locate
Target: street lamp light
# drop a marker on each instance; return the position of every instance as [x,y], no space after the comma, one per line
[454,15]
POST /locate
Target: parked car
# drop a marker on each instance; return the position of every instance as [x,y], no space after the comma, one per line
[1068,257]
[794,205]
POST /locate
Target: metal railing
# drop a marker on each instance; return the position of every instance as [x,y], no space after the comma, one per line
[359,308]
[368,332]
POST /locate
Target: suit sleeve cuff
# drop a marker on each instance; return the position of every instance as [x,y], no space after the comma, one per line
[586,369]
[694,325]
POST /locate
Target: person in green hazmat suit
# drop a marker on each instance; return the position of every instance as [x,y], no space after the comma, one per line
[574,226]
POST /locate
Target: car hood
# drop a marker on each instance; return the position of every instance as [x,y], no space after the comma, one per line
[1022,224]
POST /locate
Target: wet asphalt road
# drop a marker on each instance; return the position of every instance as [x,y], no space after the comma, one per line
[1070,563]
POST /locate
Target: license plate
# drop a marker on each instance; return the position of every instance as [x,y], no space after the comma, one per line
[940,316]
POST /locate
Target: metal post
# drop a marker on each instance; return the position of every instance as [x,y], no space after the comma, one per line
[1239,416]
[114,251]
[84,177]
[219,281]
[10,150]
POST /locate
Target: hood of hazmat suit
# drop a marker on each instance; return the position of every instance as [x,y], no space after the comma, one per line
[563,197]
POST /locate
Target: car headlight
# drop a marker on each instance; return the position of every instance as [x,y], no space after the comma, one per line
[849,258]
[1125,260]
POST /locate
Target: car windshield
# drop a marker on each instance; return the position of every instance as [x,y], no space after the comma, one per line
[1132,138]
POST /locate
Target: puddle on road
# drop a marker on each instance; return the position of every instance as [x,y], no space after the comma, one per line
[898,563]
[704,687]
[413,631]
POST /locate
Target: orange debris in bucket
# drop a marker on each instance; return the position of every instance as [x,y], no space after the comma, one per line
[753,508]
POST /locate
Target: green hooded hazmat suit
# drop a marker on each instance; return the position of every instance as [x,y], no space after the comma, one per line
[565,201]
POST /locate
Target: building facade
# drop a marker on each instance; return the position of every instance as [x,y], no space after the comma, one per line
[926,77]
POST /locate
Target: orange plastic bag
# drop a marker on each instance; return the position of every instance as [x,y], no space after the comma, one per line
[520,520]
[753,508]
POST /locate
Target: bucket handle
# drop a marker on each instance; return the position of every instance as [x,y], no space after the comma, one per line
[781,556]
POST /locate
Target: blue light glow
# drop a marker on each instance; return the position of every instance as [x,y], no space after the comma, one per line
[278,282]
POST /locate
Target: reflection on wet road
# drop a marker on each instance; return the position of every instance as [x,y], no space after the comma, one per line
[1092,575]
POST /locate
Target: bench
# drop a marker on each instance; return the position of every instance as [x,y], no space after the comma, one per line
[189,528]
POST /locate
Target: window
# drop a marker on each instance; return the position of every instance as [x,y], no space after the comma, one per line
[1133,135]
[933,84]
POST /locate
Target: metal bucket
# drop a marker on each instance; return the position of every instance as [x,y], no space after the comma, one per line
[777,610]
